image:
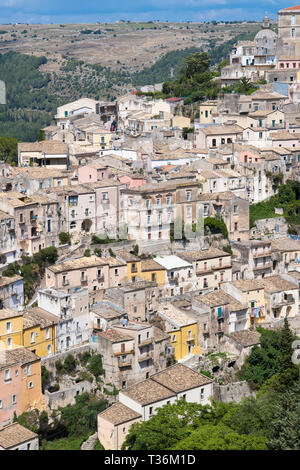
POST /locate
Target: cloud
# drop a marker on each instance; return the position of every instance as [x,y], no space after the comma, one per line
[172,10]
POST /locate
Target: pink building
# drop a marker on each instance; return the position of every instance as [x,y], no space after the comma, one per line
[87,271]
[248,156]
[91,173]
[117,271]
[107,197]
[131,181]
[10,386]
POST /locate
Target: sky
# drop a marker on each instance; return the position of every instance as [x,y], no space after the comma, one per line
[92,11]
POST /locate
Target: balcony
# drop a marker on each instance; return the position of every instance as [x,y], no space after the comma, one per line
[124,362]
[105,202]
[65,282]
[100,278]
[262,255]
[84,281]
[287,300]
[173,282]
[145,357]
[146,342]
[267,265]
[191,337]
[134,269]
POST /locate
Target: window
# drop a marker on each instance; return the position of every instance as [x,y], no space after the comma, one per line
[1,403]
[14,399]
[47,333]
[32,337]
[260,135]
[153,277]
[28,369]
[8,327]
[116,272]
[201,393]
[173,337]
[48,225]
[293,33]
[235,209]
[7,374]
[168,200]
[293,19]
[9,343]
[49,349]
[30,385]
[235,225]
[188,195]
[184,396]
[124,384]
[188,211]
[148,203]
[158,201]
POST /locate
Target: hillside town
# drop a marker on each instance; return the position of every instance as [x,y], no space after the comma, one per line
[125,238]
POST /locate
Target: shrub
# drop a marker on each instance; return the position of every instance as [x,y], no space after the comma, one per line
[64,238]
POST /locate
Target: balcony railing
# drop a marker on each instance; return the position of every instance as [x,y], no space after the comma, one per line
[145,342]
[145,356]
[100,278]
[65,282]
[124,362]
[84,281]
[173,282]
[133,269]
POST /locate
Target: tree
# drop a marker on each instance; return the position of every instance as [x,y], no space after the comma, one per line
[195,63]
[285,430]
[288,372]
[220,437]
[41,135]
[244,85]
[9,149]
[169,425]
[64,238]
[262,362]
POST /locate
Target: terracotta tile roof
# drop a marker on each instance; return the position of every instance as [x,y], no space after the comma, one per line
[126,256]
[159,335]
[203,254]
[118,414]
[285,244]
[78,263]
[147,392]
[6,313]
[247,285]
[15,434]
[179,378]
[295,7]
[274,284]
[219,297]
[19,356]
[151,265]
[221,130]
[115,336]
[5,280]
[245,337]
[37,316]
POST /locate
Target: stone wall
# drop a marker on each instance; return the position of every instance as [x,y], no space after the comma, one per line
[49,362]
[67,396]
[232,392]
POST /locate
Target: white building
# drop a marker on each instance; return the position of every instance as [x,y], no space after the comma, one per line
[180,275]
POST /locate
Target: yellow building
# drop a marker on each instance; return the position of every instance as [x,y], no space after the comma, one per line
[133,264]
[206,111]
[99,137]
[39,331]
[153,272]
[11,326]
[183,331]
[35,329]
[180,121]
[251,293]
